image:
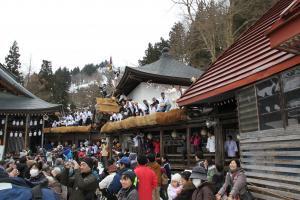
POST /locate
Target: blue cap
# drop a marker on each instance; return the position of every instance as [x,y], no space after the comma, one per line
[124,160]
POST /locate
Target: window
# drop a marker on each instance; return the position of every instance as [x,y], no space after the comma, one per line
[291,90]
[247,110]
[268,100]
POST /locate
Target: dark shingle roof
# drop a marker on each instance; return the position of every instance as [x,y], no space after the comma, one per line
[166,70]
[26,101]
[168,66]
[11,102]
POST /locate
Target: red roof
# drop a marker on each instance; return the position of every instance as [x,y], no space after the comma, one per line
[247,60]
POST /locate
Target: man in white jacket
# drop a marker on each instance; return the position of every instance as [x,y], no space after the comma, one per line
[108,179]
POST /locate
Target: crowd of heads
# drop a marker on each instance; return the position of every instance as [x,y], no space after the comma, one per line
[129,107]
[77,118]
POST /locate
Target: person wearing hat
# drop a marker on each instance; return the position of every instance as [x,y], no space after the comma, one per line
[187,186]
[83,183]
[174,187]
[112,169]
[128,182]
[115,186]
[204,189]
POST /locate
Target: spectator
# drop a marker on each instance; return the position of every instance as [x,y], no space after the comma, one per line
[164,103]
[218,178]
[174,187]
[230,147]
[204,190]
[36,175]
[128,191]
[211,146]
[147,179]
[83,183]
[167,166]
[211,169]
[133,162]
[237,179]
[112,169]
[156,168]
[115,186]
[187,187]
[198,157]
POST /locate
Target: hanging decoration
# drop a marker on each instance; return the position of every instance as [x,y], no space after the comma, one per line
[16,134]
[30,134]
[40,133]
[14,123]
[34,133]
[41,121]
[11,134]
[174,134]
[30,123]
[17,123]
[21,123]
[20,134]
[1,133]
[203,132]
[2,121]
[149,136]
[35,122]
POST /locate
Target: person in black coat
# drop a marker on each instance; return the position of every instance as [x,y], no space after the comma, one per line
[187,188]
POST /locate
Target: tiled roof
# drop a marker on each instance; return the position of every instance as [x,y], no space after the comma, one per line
[247,60]
[25,101]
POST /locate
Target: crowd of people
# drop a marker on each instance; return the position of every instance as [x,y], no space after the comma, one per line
[74,119]
[89,172]
[133,108]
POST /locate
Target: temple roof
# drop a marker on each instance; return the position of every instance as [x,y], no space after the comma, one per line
[16,98]
[166,70]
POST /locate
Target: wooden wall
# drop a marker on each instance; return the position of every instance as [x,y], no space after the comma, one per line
[271,159]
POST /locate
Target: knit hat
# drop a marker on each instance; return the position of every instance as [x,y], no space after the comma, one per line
[112,168]
[199,173]
[131,175]
[88,161]
[176,177]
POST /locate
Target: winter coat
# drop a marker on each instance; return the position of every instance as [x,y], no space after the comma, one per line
[115,185]
[236,182]
[186,192]
[172,191]
[168,170]
[147,181]
[128,194]
[204,192]
[82,186]
[39,180]
[218,180]
[156,168]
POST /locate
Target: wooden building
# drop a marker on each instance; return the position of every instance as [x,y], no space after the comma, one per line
[261,71]
[22,115]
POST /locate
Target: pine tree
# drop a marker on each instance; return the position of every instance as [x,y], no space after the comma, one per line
[177,42]
[13,63]
[46,76]
[153,52]
[61,84]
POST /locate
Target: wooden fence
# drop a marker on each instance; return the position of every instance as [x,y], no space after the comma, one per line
[271,160]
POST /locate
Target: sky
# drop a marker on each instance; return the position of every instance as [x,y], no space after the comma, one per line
[77,32]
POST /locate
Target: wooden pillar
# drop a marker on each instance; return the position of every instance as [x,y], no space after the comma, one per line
[42,140]
[161,143]
[26,131]
[5,134]
[109,145]
[188,144]
[219,157]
